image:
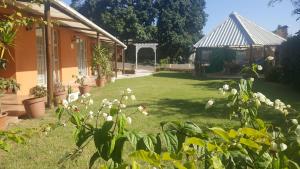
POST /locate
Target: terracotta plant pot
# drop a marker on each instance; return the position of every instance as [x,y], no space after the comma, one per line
[35,107]
[101,82]
[9,91]
[84,89]
[59,97]
[3,120]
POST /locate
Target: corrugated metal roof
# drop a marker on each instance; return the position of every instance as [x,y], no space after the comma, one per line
[238,31]
[64,19]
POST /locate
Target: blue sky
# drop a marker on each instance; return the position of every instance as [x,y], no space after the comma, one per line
[255,10]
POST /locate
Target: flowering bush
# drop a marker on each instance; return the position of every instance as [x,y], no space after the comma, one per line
[81,80]
[107,127]
[251,71]
[184,144]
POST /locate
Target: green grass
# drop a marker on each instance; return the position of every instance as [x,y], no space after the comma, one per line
[167,96]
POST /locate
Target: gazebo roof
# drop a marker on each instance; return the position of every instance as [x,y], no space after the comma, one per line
[238,31]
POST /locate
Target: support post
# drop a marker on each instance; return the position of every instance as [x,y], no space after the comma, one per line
[136,57]
[154,58]
[123,61]
[116,60]
[251,55]
[48,37]
[97,39]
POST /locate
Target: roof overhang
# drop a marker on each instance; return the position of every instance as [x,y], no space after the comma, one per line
[67,17]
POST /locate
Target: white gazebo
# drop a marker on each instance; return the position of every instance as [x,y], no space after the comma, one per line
[139,46]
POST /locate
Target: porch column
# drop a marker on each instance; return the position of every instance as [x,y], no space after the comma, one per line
[116,59]
[123,60]
[154,58]
[48,37]
[136,56]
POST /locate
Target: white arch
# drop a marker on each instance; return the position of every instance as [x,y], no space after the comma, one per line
[139,46]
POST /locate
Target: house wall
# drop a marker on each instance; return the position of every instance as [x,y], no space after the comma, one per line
[26,60]
[22,66]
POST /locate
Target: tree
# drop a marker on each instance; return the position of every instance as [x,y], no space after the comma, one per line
[179,26]
[296,4]
[127,19]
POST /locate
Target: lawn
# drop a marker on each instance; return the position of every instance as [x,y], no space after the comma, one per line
[167,96]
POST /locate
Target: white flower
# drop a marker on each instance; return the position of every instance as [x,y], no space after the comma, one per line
[104,114]
[273,146]
[65,103]
[251,79]
[226,87]
[128,90]
[270,58]
[285,112]
[294,121]
[91,101]
[122,106]
[87,94]
[109,118]
[140,108]
[288,106]
[91,113]
[132,97]
[283,146]
[209,104]
[259,67]
[233,91]
[129,120]
[104,101]
[48,128]
[113,79]
[126,97]
[145,112]
[116,101]
[64,124]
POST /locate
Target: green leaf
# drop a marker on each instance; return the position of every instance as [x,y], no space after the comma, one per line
[82,136]
[170,140]
[149,143]
[220,132]
[135,165]
[93,159]
[149,157]
[116,155]
[191,129]
[232,133]
[132,138]
[250,143]
[107,126]
[217,163]
[195,141]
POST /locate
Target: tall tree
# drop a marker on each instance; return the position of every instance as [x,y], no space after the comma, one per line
[296,4]
[127,19]
[179,26]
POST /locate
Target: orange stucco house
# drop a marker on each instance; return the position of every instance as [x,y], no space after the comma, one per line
[72,43]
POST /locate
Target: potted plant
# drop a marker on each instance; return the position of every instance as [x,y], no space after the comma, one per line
[83,87]
[59,93]
[12,86]
[35,107]
[3,120]
[101,64]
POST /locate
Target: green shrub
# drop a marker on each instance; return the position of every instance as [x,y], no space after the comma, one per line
[274,74]
[290,56]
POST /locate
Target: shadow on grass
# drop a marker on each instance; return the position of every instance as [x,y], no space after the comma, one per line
[170,107]
[176,75]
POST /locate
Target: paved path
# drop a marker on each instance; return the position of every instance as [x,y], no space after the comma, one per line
[138,73]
